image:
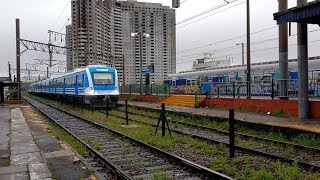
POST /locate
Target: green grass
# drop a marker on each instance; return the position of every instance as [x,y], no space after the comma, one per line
[160,175]
[280,113]
[302,139]
[241,167]
[63,135]
[134,160]
[95,145]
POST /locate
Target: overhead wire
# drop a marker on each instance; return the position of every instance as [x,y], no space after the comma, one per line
[226,40]
[257,50]
[193,17]
[210,15]
[235,47]
[60,15]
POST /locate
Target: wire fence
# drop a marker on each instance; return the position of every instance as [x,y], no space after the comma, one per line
[270,88]
[160,91]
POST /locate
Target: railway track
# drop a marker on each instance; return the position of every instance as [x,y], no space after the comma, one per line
[126,157]
[307,157]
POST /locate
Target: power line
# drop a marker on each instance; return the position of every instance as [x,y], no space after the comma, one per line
[205,12]
[65,24]
[253,43]
[38,57]
[210,15]
[189,19]
[61,14]
[183,2]
[257,50]
[229,39]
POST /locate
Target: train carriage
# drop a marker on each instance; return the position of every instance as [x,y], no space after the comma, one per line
[219,80]
[94,83]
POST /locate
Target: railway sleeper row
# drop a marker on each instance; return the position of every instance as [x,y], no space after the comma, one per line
[127,157]
[240,135]
[222,138]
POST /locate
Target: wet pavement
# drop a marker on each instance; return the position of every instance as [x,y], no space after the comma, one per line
[26,161]
[29,151]
[308,125]
[61,160]
[4,136]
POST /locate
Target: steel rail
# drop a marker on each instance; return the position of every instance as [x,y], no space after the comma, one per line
[285,130]
[90,149]
[236,133]
[195,168]
[240,148]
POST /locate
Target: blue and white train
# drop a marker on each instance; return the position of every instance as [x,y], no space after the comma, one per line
[93,83]
[262,75]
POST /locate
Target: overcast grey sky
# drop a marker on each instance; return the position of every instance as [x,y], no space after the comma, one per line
[38,16]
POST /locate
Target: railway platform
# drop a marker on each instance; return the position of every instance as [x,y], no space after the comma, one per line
[20,156]
[29,151]
[312,125]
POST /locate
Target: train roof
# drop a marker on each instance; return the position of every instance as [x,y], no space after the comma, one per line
[314,62]
[75,71]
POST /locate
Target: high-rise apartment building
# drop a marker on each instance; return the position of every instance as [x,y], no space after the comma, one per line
[101,34]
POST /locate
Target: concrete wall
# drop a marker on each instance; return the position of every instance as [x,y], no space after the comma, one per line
[261,105]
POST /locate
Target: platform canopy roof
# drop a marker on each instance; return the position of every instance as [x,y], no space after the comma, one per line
[309,13]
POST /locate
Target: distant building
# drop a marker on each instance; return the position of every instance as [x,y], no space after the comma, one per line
[209,62]
[101,34]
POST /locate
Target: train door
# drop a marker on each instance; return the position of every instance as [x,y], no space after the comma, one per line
[76,86]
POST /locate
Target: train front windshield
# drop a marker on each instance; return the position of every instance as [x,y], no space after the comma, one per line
[103,78]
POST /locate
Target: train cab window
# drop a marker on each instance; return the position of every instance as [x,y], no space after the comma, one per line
[80,80]
[103,78]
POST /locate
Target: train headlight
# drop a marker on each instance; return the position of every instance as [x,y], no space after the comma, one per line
[91,91]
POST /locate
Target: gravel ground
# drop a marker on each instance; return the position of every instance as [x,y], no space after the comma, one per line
[64,164]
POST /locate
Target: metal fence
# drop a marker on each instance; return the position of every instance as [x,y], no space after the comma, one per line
[11,93]
[261,89]
[160,91]
[234,89]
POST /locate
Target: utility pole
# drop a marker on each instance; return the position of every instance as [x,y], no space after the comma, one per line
[303,96]
[47,72]
[9,66]
[18,53]
[123,71]
[283,53]
[50,43]
[248,52]
[18,48]
[49,48]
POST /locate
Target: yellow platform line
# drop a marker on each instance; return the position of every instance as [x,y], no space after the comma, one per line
[296,126]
